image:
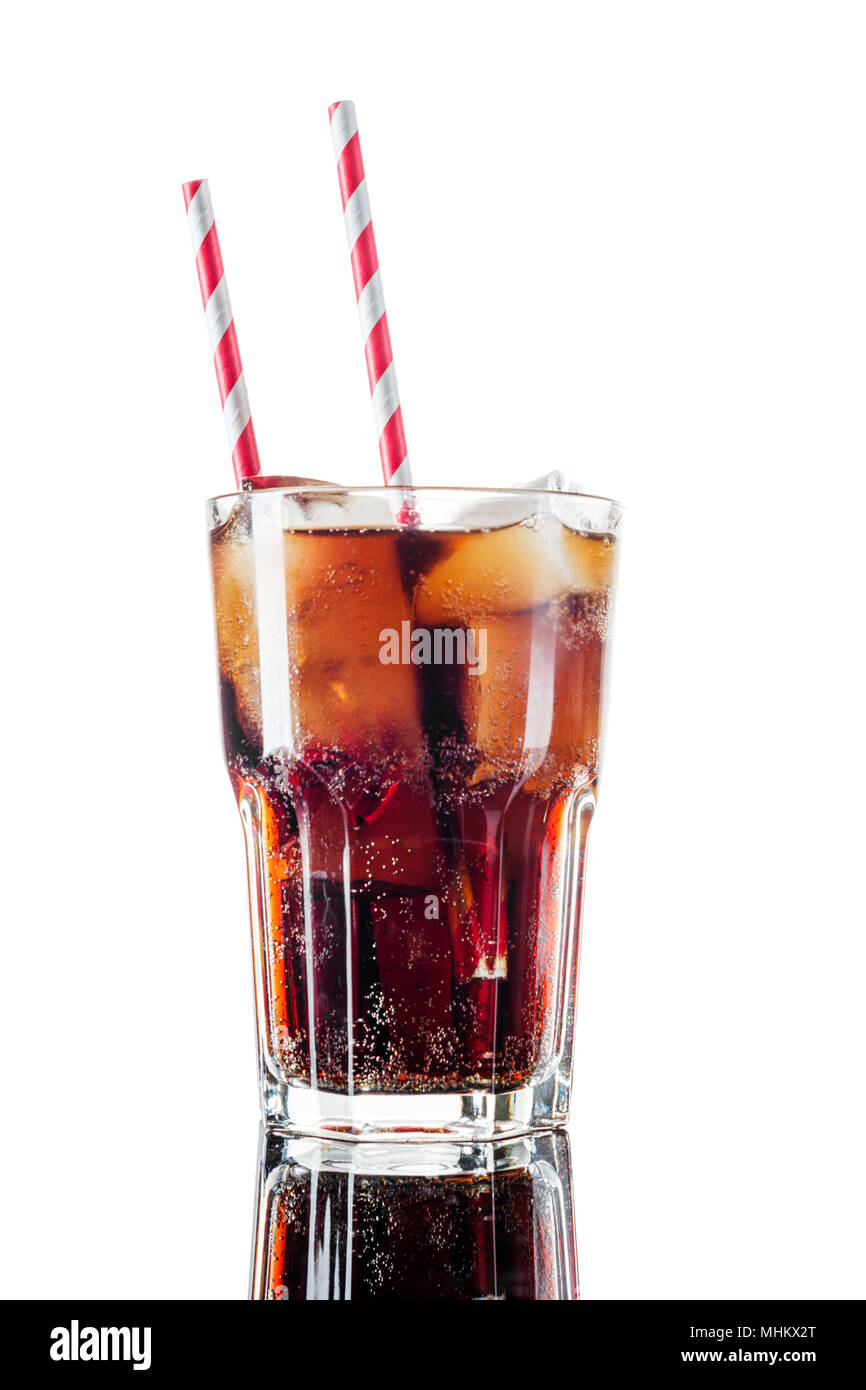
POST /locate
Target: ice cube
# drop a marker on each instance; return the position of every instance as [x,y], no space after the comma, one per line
[539,593]
[501,707]
[555,481]
[511,570]
[319,501]
[343,592]
[493,509]
[335,509]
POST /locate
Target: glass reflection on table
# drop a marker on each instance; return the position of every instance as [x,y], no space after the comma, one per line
[339,1220]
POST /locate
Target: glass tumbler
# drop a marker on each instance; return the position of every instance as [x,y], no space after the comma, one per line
[412,691]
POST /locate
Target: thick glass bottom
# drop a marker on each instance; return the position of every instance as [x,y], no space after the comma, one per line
[399,1118]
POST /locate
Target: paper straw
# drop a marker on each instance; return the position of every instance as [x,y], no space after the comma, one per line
[368,292]
[221,330]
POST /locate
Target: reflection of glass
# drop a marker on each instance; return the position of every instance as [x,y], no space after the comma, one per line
[340,1220]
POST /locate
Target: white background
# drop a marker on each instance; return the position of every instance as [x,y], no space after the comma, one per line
[624,239]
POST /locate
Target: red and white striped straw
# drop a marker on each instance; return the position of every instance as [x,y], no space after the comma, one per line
[368,292]
[221,330]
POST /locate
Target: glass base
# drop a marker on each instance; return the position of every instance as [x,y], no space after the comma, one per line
[397,1118]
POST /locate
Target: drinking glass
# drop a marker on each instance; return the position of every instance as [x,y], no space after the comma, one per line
[412,692]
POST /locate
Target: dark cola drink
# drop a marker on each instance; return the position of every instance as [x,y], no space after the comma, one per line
[412,723]
[339,1222]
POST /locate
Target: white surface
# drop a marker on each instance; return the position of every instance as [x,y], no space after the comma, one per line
[625,239]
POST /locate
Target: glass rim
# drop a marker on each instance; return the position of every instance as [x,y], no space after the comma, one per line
[298,489]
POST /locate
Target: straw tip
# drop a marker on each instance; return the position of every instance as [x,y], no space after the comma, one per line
[190,189]
[335,104]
